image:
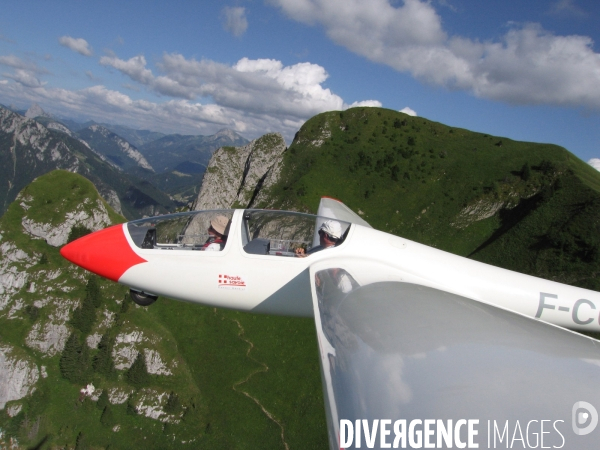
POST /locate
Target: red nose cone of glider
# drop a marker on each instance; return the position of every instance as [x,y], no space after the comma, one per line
[105,252]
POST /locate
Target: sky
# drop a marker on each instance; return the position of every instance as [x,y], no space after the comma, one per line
[522,69]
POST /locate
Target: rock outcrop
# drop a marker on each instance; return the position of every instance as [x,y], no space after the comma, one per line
[17,376]
[236,176]
[36,110]
[40,294]
[49,337]
[93,217]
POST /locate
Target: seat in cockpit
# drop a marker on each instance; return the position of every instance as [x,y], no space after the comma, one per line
[258,246]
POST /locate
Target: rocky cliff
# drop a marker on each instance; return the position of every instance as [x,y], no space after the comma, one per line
[44,300]
[239,176]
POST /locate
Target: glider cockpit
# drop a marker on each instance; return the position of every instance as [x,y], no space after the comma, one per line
[263,232]
[255,270]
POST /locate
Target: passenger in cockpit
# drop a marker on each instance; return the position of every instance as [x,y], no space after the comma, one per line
[330,233]
[217,234]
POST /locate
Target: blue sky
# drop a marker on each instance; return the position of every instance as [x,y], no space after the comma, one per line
[516,68]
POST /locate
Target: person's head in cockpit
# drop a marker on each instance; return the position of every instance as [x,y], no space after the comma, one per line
[217,234]
[330,233]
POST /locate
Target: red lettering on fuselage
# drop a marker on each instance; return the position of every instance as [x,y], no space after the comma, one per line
[231,280]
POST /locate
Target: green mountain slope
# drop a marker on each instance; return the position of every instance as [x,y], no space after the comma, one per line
[514,204]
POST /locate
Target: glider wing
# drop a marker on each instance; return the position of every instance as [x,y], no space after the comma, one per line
[408,365]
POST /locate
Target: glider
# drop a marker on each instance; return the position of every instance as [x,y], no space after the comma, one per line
[419,348]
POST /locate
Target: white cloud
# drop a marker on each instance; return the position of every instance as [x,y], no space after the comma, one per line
[234,20]
[17,63]
[251,96]
[529,65]
[25,72]
[595,163]
[446,4]
[78,45]
[567,8]
[25,78]
[182,116]
[409,111]
[257,87]
[134,68]
[368,103]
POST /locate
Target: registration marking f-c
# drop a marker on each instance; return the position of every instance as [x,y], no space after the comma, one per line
[543,305]
[575,312]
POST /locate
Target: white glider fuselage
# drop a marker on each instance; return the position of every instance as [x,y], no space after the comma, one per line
[276,284]
[231,278]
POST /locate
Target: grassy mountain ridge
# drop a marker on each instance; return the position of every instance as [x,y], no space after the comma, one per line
[39,311]
[449,188]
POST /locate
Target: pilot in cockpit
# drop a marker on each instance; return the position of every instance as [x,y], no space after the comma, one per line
[217,234]
[330,233]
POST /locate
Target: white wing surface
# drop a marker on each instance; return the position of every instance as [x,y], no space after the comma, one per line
[411,365]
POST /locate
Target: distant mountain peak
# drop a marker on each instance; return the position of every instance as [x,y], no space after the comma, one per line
[36,110]
[230,135]
[226,132]
[113,146]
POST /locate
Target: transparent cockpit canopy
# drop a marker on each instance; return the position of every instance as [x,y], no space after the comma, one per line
[280,232]
[176,231]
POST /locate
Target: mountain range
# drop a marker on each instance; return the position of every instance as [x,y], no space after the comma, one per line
[188,154]
[222,379]
[116,149]
[124,175]
[29,149]
[185,153]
